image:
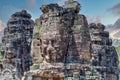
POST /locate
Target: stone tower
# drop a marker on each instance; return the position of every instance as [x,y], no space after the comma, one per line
[104,55]
[63,43]
[65,47]
[17,44]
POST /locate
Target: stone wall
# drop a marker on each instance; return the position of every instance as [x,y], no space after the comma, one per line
[17,44]
[62,46]
[70,48]
[104,54]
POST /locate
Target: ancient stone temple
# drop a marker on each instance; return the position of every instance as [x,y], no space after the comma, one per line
[65,47]
[104,56]
[17,45]
[63,43]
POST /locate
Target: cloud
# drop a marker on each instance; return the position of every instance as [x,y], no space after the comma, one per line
[2,26]
[94,19]
[31,4]
[115,9]
[114,29]
[114,26]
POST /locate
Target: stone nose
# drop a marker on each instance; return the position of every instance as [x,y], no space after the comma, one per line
[9,51]
[50,48]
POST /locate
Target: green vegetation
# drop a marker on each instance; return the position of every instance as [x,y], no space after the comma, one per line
[118,51]
[37,25]
[0,57]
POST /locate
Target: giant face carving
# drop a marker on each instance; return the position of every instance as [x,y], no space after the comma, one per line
[53,46]
[10,52]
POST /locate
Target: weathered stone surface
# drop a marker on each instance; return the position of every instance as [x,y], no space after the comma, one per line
[72,6]
[103,53]
[17,42]
[63,42]
[64,46]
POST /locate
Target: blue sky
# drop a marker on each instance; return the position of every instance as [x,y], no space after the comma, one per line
[94,10]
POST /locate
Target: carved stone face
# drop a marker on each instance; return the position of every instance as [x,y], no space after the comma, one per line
[10,52]
[52,47]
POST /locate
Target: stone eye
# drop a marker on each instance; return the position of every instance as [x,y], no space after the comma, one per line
[45,42]
[52,42]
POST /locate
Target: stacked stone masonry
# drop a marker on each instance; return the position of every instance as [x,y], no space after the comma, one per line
[63,46]
[70,49]
[104,54]
[17,45]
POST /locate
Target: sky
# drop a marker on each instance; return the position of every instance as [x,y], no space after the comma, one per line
[104,11]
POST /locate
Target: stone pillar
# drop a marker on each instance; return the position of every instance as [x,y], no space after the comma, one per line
[17,36]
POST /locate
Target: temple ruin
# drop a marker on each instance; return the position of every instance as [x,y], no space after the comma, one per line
[61,46]
[66,48]
[17,45]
